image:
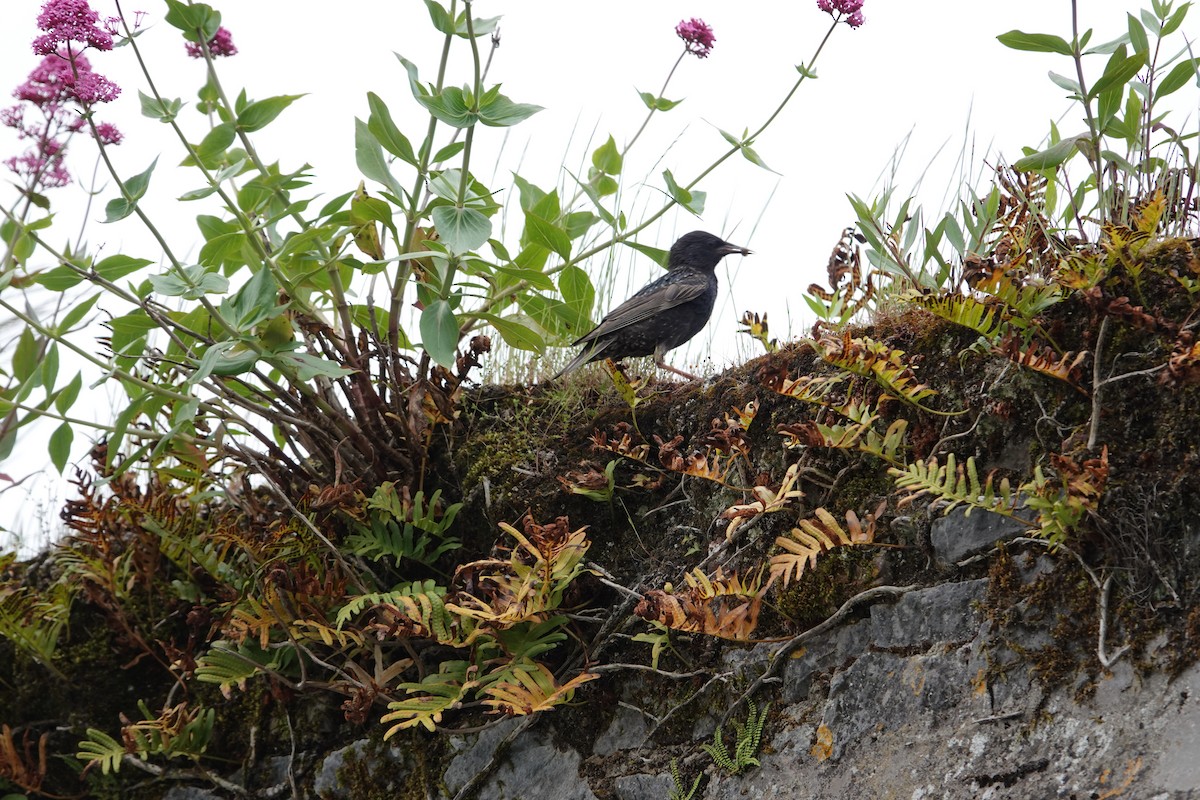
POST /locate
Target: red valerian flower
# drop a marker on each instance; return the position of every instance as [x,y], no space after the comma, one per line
[107,133]
[697,36]
[220,45]
[848,11]
[67,21]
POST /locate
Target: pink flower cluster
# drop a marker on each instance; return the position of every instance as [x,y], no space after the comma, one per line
[56,90]
[68,21]
[849,11]
[697,36]
[220,45]
[64,69]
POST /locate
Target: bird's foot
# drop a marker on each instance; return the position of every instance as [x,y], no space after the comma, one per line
[661,364]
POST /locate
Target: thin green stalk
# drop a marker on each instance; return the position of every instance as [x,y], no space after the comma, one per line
[248,226]
[412,213]
[1093,156]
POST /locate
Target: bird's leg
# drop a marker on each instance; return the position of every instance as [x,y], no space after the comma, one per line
[661,363]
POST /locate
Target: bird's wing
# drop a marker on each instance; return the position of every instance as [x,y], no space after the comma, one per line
[654,298]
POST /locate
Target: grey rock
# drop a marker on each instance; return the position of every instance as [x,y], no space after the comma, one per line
[944,613]
[644,787]
[627,730]
[533,766]
[473,753]
[956,535]
[328,784]
[190,793]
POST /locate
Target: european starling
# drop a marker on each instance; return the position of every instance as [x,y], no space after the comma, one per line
[665,313]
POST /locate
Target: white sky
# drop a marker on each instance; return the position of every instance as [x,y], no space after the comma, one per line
[933,69]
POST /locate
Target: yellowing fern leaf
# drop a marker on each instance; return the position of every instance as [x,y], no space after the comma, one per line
[816,537]
[533,689]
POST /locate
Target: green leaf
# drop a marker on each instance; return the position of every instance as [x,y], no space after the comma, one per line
[545,233]
[215,143]
[1035,42]
[118,266]
[255,302]
[1137,35]
[66,398]
[262,113]
[1064,82]
[129,328]
[208,361]
[160,109]
[482,26]
[1118,73]
[49,367]
[579,222]
[60,446]
[223,175]
[384,129]
[194,283]
[515,334]
[607,158]
[450,107]
[500,112]
[199,22]
[578,293]
[660,257]
[132,191]
[439,333]
[440,17]
[1175,20]
[447,152]
[368,155]
[25,355]
[753,157]
[692,201]
[122,424]
[655,103]
[60,278]
[75,314]
[1051,157]
[1178,77]
[462,229]
[309,366]
[537,280]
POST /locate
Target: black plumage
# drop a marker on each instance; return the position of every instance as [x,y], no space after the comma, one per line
[665,313]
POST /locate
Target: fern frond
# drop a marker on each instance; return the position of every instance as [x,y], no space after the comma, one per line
[722,606]
[964,310]
[531,690]
[955,485]
[100,748]
[430,699]
[228,665]
[679,792]
[814,538]
[745,751]
[885,365]
[887,447]
[1066,368]
[34,623]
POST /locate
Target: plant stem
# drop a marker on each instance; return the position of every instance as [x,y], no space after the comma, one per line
[1093,156]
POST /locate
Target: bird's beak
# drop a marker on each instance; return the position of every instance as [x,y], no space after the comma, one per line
[730,249]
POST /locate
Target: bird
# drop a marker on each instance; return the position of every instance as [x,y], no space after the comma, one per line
[665,313]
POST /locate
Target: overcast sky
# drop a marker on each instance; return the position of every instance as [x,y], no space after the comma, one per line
[931,73]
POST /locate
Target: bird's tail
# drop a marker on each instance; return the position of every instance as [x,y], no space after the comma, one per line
[588,353]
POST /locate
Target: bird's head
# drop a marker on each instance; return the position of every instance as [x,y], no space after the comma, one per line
[702,250]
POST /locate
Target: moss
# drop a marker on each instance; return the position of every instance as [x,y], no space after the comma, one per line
[404,768]
[821,590]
